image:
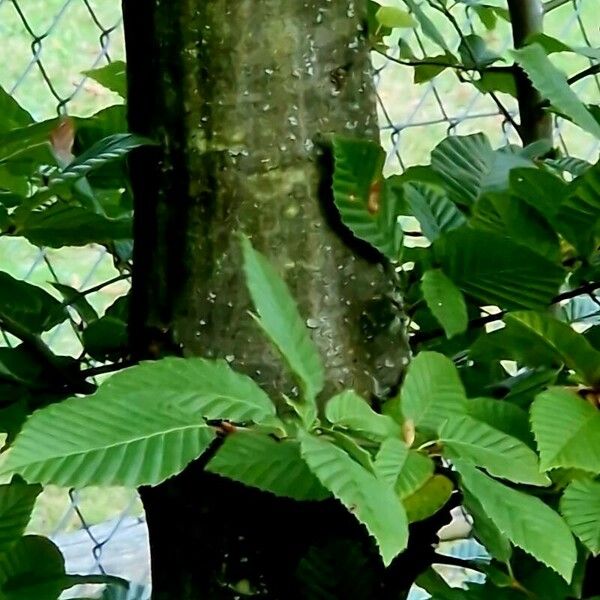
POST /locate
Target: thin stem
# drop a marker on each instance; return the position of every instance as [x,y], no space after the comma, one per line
[96,288]
[585,289]
[593,70]
[103,369]
[503,110]
[37,346]
[552,4]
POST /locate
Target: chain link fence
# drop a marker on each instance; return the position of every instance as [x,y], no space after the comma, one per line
[49,44]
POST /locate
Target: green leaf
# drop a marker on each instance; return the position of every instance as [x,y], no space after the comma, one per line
[525,520]
[567,431]
[432,391]
[495,270]
[501,455]
[494,81]
[390,16]
[273,466]
[64,224]
[28,306]
[279,318]
[416,471]
[78,301]
[429,67]
[390,460]
[112,76]
[108,440]
[474,52]
[369,206]
[107,338]
[350,411]
[513,218]
[580,507]
[12,114]
[105,151]
[552,84]
[427,26]
[204,388]
[445,301]
[432,208]
[555,338]
[430,498]
[16,504]
[370,500]
[579,213]
[469,166]
[542,190]
[485,530]
[551,45]
[504,416]
[34,569]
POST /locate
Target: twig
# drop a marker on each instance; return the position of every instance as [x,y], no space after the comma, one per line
[585,289]
[37,346]
[503,110]
[593,70]
[552,4]
[103,369]
[96,288]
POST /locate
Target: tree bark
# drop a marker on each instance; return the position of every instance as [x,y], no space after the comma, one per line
[527,19]
[239,96]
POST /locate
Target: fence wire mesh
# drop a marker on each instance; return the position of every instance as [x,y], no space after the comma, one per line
[49,44]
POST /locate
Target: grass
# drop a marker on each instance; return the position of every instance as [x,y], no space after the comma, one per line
[70,44]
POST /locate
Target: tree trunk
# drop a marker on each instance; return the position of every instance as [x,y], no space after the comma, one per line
[240,96]
[527,19]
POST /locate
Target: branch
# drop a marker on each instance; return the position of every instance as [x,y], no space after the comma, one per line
[103,369]
[503,110]
[593,70]
[438,63]
[552,4]
[96,288]
[38,347]
[586,288]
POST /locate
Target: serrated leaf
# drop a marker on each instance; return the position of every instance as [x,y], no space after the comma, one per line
[390,16]
[416,471]
[260,461]
[566,430]
[106,439]
[552,84]
[555,338]
[501,455]
[504,416]
[430,498]
[432,391]
[495,270]
[432,208]
[112,76]
[390,460]
[16,504]
[205,388]
[525,520]
[579,213]
[445,301]
[350,411]
[279,318]
[370,500]
[580,507]
[469,166]
[485,530]
[369,206]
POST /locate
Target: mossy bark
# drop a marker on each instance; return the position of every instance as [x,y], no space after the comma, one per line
[240,96]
